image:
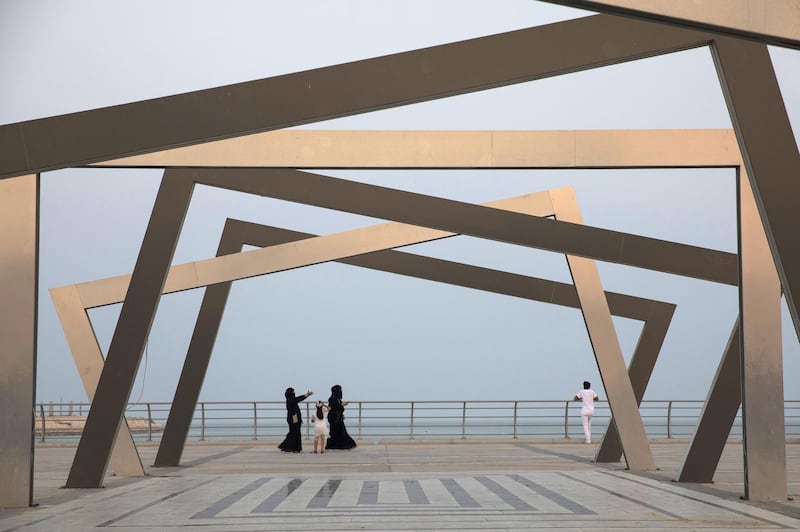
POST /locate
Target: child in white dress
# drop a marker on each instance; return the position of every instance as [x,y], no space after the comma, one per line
[320,420]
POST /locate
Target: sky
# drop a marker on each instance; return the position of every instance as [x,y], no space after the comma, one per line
[381,336]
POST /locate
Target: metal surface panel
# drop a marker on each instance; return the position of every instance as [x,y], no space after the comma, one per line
[19,263]
[476,220]
[762,361]
[769,150]
[341,90]
[130,336]
[607,351]
[89,361]
[766,20]
[454,149]
[719,412]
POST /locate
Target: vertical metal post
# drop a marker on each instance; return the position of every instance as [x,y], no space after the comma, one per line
[202,421]
[566,420]
[255,421]
[41,411]
[514,432]
[669,420]
[764,438]
[149,423]
[464,420]
[19,262]
[359,420]
[412,421]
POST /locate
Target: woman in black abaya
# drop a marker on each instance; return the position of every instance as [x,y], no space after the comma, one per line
[293,441]
[339,438]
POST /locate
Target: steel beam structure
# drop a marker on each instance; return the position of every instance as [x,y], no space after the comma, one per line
[768,148]
[19,263]
[726,155]
[764,20]
[508,149]
[296,254]
[88,358]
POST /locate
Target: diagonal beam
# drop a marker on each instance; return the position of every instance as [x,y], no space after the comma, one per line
[769,151]
[130,335]
[334,91]
[475,220]
[605,344]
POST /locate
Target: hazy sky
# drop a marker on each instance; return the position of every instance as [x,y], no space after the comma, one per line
[381,336]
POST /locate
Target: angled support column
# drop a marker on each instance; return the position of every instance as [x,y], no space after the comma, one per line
[761,359]
[607,351]
[769,151]
[639,371]
[130,336]
[719,412]
[19,264]
[196,363]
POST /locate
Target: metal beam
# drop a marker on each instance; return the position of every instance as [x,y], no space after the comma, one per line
[605,344]
[19,263]
[475,220]
[763,428]
[298,148]
[769,151]
[334,91]
[130,336]
[719,412]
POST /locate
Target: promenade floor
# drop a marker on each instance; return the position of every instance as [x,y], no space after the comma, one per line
[523,485]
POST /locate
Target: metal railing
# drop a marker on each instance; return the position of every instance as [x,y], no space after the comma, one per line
[393,420]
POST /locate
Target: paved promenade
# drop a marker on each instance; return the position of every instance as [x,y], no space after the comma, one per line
[524,485]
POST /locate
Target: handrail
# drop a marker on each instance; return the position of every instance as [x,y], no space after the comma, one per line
[387,420]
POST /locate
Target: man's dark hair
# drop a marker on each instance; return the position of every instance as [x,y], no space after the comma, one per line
[587,385]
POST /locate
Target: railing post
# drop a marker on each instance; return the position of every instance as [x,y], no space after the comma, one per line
[412,421]
[669,420]
[255,421]
[149,423]
[514,433]
[464,420]
[41,412]
[359,420]
[202,421]
[566,420]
